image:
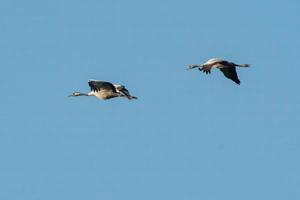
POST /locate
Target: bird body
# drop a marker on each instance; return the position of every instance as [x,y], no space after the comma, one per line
[105,90]
[213,61]
[228,68]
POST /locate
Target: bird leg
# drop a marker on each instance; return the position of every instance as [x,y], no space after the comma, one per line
[206,69]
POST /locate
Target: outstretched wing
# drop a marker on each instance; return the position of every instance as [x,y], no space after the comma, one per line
[101,85]
[227,63]
[230,72]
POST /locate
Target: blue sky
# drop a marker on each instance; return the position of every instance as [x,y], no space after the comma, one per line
[190,136]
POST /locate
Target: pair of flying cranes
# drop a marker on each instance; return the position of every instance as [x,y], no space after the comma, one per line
[106,90]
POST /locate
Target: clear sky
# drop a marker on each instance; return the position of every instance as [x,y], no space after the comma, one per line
[189,136]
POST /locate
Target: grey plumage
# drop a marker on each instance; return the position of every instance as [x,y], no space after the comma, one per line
[226,67]
[105,90]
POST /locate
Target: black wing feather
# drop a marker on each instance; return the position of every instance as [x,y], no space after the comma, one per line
[101,85]
[226,63]
[230,72]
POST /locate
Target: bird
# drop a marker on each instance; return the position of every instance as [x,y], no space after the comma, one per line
[228,68]
[105,90]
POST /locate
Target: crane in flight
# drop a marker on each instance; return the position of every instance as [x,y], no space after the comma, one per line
[105,90]
[228,68]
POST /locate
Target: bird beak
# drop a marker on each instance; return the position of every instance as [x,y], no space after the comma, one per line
[70,95]
[188,67]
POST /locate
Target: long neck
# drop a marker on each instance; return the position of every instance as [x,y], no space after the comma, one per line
[192,66]
[83,94]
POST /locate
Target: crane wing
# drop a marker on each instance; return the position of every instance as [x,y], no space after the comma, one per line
[226,63]
[101,85]
[230,73]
